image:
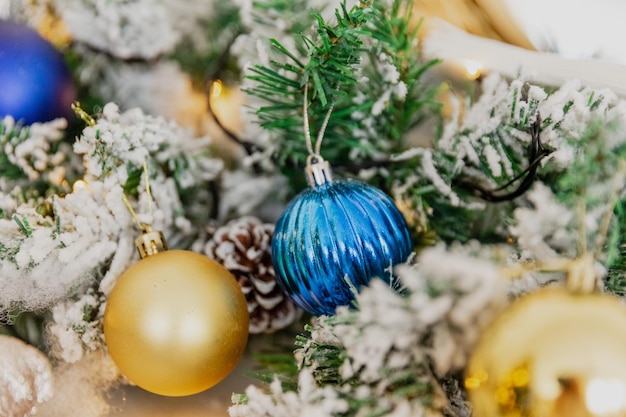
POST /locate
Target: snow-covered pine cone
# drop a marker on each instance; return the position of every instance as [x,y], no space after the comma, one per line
[243,246]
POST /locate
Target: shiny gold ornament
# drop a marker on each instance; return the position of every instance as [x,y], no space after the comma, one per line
[552,353]
[176,322]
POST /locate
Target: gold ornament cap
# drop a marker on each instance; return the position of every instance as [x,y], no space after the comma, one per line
[150,243]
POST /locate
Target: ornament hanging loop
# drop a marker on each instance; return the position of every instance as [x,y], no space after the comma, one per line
[82,114]
[317,170]
[150,242]
[581,275]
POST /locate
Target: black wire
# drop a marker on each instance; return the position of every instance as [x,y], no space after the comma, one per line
[210,77]
[535,154]
[214,191]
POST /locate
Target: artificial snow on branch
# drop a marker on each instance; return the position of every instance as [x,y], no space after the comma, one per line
[83,238]
[522,175]
[488,149]
[385,357]
[394,354]
[364,61]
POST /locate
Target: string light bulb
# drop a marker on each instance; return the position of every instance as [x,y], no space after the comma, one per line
[79,185]
[473,69]
[605,396]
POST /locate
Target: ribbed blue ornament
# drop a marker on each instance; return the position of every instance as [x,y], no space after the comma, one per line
[333,238]
[35,83]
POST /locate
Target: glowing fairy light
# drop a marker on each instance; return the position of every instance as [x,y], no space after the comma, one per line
[473,69]
[605,396]
[80,185]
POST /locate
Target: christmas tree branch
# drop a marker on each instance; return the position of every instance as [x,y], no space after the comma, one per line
[387,356]
[367,65]
[494,145]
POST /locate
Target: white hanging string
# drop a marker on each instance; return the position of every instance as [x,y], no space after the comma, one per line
[317,169]
[307,130]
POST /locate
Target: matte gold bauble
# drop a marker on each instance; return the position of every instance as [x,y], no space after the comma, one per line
[176,323]
[552,353]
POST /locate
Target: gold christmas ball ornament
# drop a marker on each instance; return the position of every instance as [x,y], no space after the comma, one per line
[552,353]
[176,323]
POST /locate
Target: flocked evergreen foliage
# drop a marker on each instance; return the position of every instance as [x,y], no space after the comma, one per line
[366,66]
[83,236]
[523,174]
[538,173]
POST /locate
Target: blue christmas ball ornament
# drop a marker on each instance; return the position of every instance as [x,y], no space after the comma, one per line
[35,83]
[333,238]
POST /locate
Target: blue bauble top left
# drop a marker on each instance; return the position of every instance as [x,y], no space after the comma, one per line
[35,83]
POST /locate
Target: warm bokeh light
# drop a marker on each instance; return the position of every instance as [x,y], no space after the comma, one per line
[473,69]
[80,185]
[216,88]
[476,379]
[605,396]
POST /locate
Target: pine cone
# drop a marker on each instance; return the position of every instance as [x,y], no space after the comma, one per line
[243,246]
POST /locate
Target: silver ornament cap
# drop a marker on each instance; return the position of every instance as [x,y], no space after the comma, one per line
[317,171]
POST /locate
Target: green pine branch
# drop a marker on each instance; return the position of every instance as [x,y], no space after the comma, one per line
[340,56]
[330,66]
[491,149]
[616,253]
[595,183]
